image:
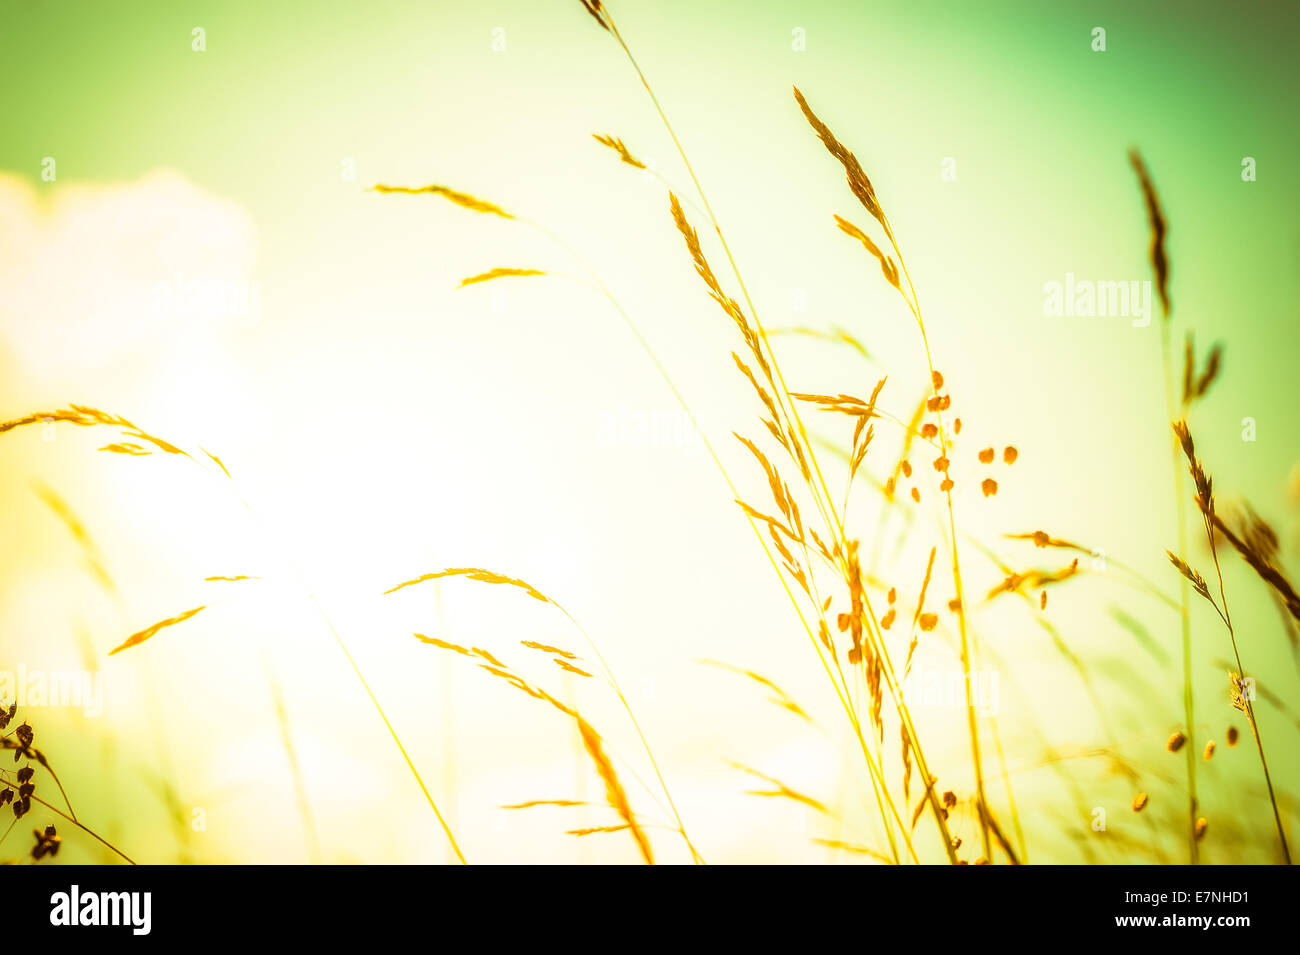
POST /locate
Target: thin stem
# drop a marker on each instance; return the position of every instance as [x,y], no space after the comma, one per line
[55,776]
[820,490]
[295,767]
[1185,597]
[966,640]
[451,838]
[597,283]
[1250,706]
[338,639]
[80,825]
[645,743]
[788,406]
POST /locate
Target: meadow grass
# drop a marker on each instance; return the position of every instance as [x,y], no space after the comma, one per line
[863,629]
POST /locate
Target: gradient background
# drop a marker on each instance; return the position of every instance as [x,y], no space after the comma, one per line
[385,424]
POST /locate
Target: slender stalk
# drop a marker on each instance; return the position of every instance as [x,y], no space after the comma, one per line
[1249,704]
[338,639]
[820,490]
[89,416]
[787,405]
[1011,796]
[645,743]
[1185,597]
[295,767]
[972,722]
[410,764]
[599,285]
[80,825]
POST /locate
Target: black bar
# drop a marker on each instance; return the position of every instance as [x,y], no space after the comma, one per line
[964,904]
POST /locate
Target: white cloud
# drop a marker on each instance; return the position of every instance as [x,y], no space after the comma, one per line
[98,272]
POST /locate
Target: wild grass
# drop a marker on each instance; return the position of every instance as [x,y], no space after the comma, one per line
[864,623]
[137,442]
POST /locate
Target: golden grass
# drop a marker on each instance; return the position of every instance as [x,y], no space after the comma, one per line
[1160,266]
[617,797]
[88,417]
[498,273]
[832,581]
[151,631]
[462,199]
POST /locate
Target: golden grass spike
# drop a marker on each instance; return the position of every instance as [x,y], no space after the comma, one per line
[545,802]
[593,830]
[762,394]
[860,444]
[920,808]
[920,606]
[1204,484]
[614,791]
[780,790]
[1193,575]
[89,548]
[498,273]
[597,10]
[777,486]
[1043,539]
[547,648]
[217,461]
[1033,579]
[475,573]
[1159,228]
[887,265]
[782,699]
[566,665]
[705,272]
[837,334]
[138,638]
[857,178]
[161,444]
[230,579]
[455,647]
[464,200]
[1211,372]
[905,746]
[769,520]
[84,416]
[486,655]
[1264,567]
[617,145]
[499,670]
[692,239]
[523,686]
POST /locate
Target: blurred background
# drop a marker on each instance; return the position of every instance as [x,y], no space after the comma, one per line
[189,238]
